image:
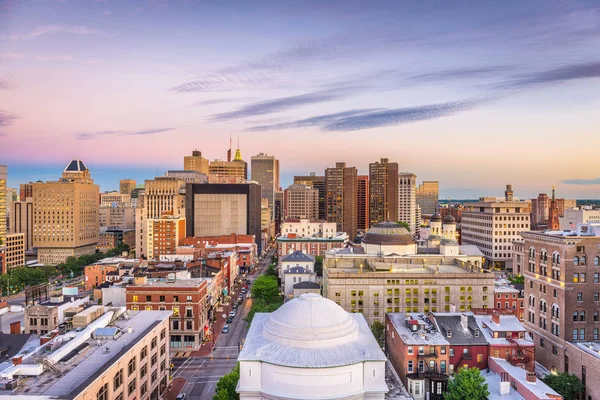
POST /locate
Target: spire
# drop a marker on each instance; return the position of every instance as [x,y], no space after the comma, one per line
[238,153]
[553,197]
[229,151]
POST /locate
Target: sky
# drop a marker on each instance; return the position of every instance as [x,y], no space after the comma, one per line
[473,94]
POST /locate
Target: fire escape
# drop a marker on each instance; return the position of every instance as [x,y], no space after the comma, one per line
[520,359]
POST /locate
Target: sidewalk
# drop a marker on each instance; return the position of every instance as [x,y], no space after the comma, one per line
[176,387]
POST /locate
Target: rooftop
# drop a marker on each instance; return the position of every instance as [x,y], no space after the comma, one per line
[178,283]
[493,382]
[296,270]
[307,285]
[427,333]
[538,388]
[592,348]
[463,327]
[508,323]
[297,256]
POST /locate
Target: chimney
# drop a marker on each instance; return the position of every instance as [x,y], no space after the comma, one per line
[504,388]
[44,340]
[531,378]
[16,360]
[496,318]
[15,328]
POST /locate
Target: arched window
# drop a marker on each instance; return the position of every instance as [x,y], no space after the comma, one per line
[558,258]
[575,316]
[582,316]
[553,258]
[596,316]
[576,261]
[596,261]
[583,260]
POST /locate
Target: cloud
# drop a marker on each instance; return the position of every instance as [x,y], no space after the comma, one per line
[318,120]
[53,58]
[581,181]
[6,85]
[458,74]
[68,29]
[6,119]
[7,56]
[284,103]
[588,70]
[101,134]
[211,102]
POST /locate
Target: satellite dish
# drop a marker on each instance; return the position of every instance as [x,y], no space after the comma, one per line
[224,315]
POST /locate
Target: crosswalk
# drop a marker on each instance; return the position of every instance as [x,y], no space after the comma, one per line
[181,354]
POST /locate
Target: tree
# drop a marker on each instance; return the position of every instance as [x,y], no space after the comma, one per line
[516,279]
[265,287]
[566,385]
[262,306]
[404,225]
[467,383]
[271,271]
[225,389]
[378,329]
[319,265]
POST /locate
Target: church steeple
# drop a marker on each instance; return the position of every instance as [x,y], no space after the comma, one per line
[553,222]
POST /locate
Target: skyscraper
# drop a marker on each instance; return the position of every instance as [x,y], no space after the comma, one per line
[301,202]
[383,191]
[21,220]
[65,215]
[341,200]
[230,171]
[362,206]
[265,171]
[427,197]
[317,182]
[3,179]
[407,200]
[126,186]
[196,162]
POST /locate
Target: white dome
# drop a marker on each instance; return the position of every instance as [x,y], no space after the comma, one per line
[310,321]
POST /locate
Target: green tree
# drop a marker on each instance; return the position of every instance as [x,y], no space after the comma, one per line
[225,389]
[271,271]
[516,279]
[319,265]
[404,225]
[262,306]
[378,329]
[467,383]
[265,287]
[566,385]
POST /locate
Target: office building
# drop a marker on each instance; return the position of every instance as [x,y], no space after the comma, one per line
[230,171]
[126,186]
[316,245]
[223,209]
[562,294]
[428,197]
[341,197]
[188,176]
[407,201]
[3,211]
[316,350]
[187,301]
[113,237]
[316,182]
[15,251]
[119,216]
[196,162]
[578,215]
[279,211]
[383,191]
[362,203]
[267,225]
[161,195]
[301,202]
[492,225]
[25,191]
[164,235]
[65,215]
[108,199]
[540,210]
[265,171]
[21,220]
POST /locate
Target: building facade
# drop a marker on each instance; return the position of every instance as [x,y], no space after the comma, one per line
[407,201]
[196,162]
[126,186]
[15,251]
[492,225]
[301,201]
[188,176]
[21,220]
[316,182]
[341,197]
[265,170]
[305,228]
[108,199]
[3,203]
[362,205]
[164,235]
[428,197]
[119,216]
[578,215]
[383,191]
[65,215]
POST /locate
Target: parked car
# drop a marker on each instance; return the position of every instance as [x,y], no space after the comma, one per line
[225,329]
[244,291]
[232,313]
[229,320]
[181,396]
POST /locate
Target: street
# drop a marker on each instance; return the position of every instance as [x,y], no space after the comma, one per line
[203,373]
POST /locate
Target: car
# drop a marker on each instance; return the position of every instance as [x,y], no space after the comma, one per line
[225,329]
[229,320]
[244,291]
[232,314]
[181,396]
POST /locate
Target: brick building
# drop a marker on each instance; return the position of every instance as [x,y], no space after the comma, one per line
[507,339]
[94,275]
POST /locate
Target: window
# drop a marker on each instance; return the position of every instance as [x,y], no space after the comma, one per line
[542,344]
[175,299]
[421,350]
[595,333]
[579,296]
[443,349]
[188,299]
[131,388]
[148,298]
[162,299]
[575,278]
[118,380]
[576,261]
[189,325]
[153,344]
[582,316]
[143,353]
[451,352]
[163,350]
[443,366]
[410,350]
[596,261]
[583,260]
[131,367]
[143,388]
[410,366]
[143,371]
[153,360]
[582,334]
[554,350]
[102,393]
[175,325]
[596,316]
[596,296]
[582,277]
[479,358]
[175,311]
[465,351]
[163,333]
[575,334]
[135,298]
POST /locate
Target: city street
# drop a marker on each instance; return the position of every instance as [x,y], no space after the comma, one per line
[203,373]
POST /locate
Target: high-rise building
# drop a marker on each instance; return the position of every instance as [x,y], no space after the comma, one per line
[301,202]
[383,191]
[21,220]
[196,162]
[162,194]
[108,199]
[15,251]
[223,209]
[540,210]
[265,171]
[562,272]
[278,211]
[407,201]
[267,225]
[316,182]
[362,206]
[235,170]
[428,197]
[126,186]
[341,192]
[188,176]
[492,225]
[164,235]
[25,191]
[3,179]
[65,215]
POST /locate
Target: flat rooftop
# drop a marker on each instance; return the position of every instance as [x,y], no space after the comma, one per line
[183,283]
[405,269]
[592,348]
[429,336]
[85,367]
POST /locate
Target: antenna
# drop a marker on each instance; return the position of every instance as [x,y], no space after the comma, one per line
[238,141]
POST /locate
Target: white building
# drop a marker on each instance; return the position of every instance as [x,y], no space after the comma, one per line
[295,268]
[407,201]
[492,225]
[310,348]
[298,259]
[308,228]
[578,215]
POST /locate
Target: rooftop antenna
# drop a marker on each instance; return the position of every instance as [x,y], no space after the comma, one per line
[229,151]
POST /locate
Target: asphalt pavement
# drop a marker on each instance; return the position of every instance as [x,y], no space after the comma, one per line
[203,373]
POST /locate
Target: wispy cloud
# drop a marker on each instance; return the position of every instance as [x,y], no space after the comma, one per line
[318,120]
[211,102]
[6,85]
[6,119]
[143,132]
[458,74]
[53,58]
[64,29]
[8,56]
[587,70]
[284,103]
[595,181]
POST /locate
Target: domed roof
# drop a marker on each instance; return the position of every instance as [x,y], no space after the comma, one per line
[436,217]
[310,321]
[449,219]
[388,233]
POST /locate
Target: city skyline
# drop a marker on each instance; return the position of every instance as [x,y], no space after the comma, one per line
[472,95]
